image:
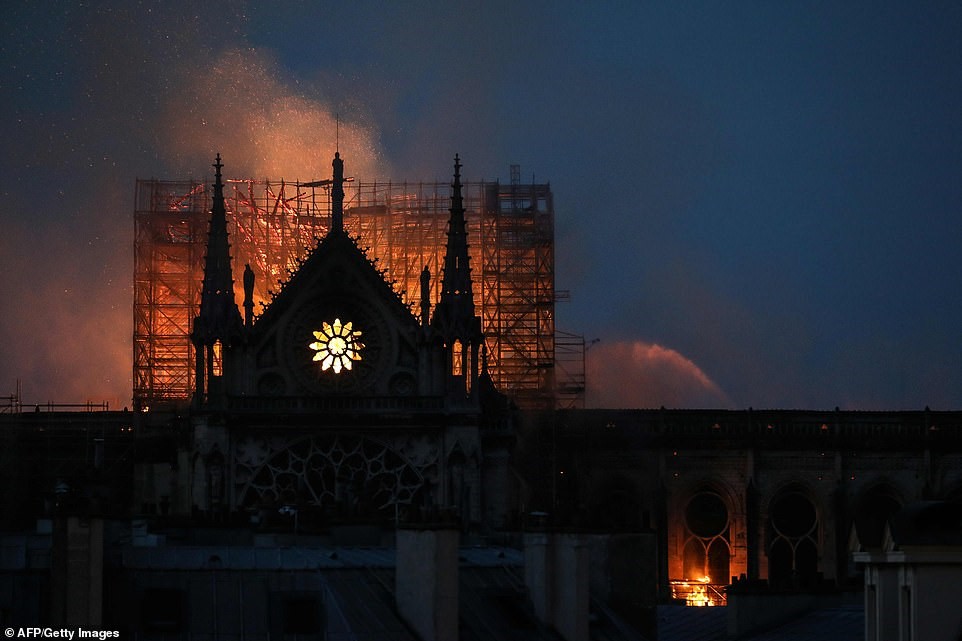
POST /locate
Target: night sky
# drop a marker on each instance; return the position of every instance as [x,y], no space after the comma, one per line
[757,204]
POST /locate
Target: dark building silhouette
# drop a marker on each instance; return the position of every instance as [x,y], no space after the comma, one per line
[347,467]
[339,401]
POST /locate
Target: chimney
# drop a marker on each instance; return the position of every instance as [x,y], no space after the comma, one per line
[426,581]
[556,573]
[76,572]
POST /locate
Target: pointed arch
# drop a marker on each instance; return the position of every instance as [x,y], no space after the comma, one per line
[794,536]
[707,524]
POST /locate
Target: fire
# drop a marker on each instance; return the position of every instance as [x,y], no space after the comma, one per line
[700,592]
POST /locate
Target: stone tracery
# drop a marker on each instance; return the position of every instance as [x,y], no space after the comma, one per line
[362,473]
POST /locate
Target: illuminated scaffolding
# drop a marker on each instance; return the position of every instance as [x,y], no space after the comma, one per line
[403,226]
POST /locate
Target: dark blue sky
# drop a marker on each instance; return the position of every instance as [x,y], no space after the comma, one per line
[756,205]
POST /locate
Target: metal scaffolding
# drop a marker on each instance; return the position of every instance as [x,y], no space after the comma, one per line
[403,226]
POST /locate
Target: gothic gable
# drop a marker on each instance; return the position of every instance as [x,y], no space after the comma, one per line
[335,327]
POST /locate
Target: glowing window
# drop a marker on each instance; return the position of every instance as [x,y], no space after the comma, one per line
[337,346]
[217,359]
[456,358]
[706,556]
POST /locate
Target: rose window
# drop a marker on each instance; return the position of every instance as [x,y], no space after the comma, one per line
[337,346]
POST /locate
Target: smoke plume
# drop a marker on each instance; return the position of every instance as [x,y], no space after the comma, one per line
[110,94]
[635,374]
[261,126]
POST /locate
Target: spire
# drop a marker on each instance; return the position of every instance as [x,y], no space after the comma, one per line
[219,318]
[337,195]
[454,318]
[219,322]
[456,285]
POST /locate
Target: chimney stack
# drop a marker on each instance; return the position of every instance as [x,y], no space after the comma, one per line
[426,581]
[556,573]
[76,572]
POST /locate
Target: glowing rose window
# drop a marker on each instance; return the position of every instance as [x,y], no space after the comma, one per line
[337,346]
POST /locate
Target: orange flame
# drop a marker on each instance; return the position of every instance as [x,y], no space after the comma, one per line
[698,592]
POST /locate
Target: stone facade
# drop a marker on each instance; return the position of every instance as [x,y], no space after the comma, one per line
[770,495]
[338,402]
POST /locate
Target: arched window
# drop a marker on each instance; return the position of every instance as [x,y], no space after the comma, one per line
[793,548]
[456,349]
[217,359]
[707,551]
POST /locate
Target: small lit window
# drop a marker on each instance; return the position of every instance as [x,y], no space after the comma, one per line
[456,350]
[217,359]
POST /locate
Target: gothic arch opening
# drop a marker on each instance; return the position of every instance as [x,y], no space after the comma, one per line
[793,550]
[707,550]
[706,526]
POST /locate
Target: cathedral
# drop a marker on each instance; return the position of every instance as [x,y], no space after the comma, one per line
[339,401]
[347,468]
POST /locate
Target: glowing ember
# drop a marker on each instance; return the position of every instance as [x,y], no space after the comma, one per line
[337,346]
